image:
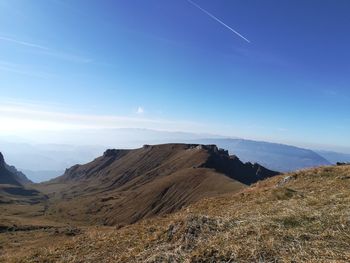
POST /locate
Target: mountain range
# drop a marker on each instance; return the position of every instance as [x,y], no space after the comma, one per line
[335,157]
[43,161]
[176,203]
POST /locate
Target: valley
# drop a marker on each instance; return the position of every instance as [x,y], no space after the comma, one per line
[193,204]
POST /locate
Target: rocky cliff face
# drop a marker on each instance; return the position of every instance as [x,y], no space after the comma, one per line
[21,177]
[10,175]
[2,160]
[6,177]
[231,166]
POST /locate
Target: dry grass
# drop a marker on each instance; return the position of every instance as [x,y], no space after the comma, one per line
[300,217]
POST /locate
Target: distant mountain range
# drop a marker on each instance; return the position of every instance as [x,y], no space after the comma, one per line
[335,157]
[279,157]
[44,161]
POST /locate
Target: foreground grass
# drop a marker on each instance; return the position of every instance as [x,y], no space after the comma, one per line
[299,217]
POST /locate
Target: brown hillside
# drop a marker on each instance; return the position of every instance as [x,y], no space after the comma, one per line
[297,217]
[124,186]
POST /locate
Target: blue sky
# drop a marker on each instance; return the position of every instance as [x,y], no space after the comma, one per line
[165,64]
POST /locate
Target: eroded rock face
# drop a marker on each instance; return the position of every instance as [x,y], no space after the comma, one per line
[110,152]
[232,166]
[6,177]
[115,153]
[2,160]
[11,174]
[211,148]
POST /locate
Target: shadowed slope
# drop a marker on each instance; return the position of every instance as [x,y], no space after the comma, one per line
[20,177]
[6,177]
[10,175]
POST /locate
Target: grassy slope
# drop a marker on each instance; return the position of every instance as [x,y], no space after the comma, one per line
[125,186]
[305,218]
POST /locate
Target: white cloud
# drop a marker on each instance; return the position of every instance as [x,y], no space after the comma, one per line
[21,118]
[140,110]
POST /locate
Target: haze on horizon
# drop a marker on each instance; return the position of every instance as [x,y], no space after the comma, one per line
[166,65]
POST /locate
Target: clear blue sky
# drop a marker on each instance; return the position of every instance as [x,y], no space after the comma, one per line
[168,60]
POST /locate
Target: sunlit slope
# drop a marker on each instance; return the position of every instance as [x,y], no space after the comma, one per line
[298,217]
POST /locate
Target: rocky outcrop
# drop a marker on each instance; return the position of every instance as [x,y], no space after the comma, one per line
[6,177]
[231,166]
[10,175]
[21,177]
[11,171]
[2,161]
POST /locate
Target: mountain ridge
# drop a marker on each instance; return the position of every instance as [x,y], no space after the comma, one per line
[35,158]
[129,185]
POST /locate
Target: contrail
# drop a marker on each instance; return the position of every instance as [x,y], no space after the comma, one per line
[47,51]
[23,43]
[218,20]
